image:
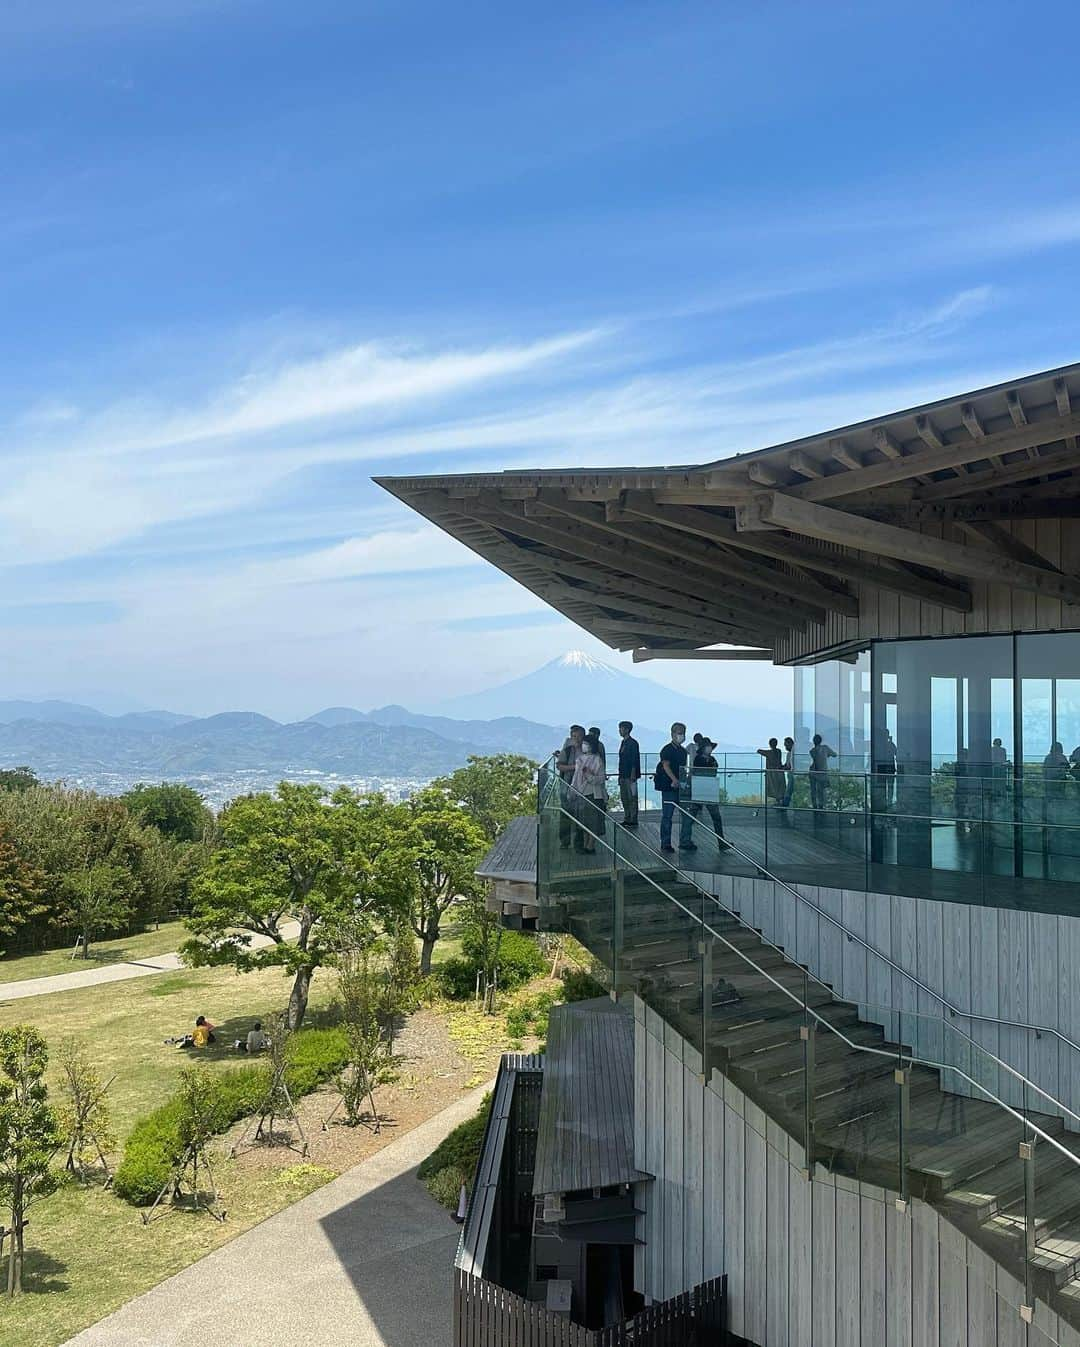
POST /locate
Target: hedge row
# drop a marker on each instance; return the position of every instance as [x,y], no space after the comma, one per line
[153,1147]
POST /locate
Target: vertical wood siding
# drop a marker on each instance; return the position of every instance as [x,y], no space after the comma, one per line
[828,1263]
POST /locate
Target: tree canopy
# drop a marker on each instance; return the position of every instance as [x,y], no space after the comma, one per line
[173,808]
[294,856]
[493,789]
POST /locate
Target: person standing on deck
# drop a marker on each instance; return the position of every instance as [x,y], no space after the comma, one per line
[704,765]
[565,762]
[789,771]
[668,780]
[820,753]
[629,773]
[775,780]
[590,793]
[599,745]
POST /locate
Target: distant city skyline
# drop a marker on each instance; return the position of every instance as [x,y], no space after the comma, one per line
[252,255]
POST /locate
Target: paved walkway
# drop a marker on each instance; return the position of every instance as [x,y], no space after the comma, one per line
[365,1261]
[112,972]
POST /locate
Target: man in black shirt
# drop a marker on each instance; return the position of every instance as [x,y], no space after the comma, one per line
[629,773]
[670,774]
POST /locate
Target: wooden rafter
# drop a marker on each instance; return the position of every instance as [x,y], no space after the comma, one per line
[936,460]
[822,521]
[641,656]
[812,555]
[809,600]
[1058,460]
[1001,540]
[619,556]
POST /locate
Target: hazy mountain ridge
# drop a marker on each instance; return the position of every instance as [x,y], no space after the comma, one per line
[70,739]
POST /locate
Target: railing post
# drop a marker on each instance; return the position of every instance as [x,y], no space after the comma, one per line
[902,1076]
[705,949]
[806,1033]
[1027,1157]
[618,893]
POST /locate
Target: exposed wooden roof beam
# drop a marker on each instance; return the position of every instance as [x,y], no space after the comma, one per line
[823,521]
[843,453]
[1003,541]
[598,581]
[929,433]
[667,586]
[1009,503]
[934,460]
[1019,416]
[804,465]
[886,443]
[577,543]
[782,592]
[1061,397]
[643,655]
[761,474]
[800,550]
[974,428]
[1060,460]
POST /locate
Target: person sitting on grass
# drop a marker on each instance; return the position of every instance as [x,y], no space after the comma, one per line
[203,1034]
[256,1041]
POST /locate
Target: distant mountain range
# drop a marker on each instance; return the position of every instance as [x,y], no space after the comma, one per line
[577,687]
[66,739]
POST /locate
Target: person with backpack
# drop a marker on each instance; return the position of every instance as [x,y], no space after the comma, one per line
[668,779]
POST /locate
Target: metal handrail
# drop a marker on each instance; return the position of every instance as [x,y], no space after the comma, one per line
[821,1020]
[853,936]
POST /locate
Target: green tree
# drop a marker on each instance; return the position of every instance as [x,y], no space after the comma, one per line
[493,789]
[174,809]
[18,778]
[433,862]
[292,856]
[30,1136]
[84,1113]
[95,899]
[20,889]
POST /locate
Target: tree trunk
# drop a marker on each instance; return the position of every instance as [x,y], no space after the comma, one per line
[427,948]
[85,943]
[298,997]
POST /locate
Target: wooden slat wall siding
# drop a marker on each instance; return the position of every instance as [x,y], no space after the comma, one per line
[830,1263]
[1019,966]
[995,608]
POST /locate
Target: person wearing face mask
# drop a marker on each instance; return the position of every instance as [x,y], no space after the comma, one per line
[668,778]
[589,788]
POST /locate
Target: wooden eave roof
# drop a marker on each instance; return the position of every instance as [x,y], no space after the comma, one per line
[746,548]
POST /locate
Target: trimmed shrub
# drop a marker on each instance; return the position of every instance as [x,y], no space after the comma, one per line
[445,1186]
[315,1056]
[461,1149]
[456,978]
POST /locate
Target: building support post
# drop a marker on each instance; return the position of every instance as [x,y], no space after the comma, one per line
[902,1076]
[806,1033]
[1027,1157]
[705,950]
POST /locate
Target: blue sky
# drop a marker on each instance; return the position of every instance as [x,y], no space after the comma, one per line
[252,253]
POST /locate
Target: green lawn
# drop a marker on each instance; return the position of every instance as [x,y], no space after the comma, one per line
[89,1250]
[167,938]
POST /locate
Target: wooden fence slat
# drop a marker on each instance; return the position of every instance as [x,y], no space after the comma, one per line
[488,1315]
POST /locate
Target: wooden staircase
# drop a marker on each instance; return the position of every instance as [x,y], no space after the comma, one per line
[961,1154]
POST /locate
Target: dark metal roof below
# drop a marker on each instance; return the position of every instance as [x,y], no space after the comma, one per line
[513,856]
[586,1133]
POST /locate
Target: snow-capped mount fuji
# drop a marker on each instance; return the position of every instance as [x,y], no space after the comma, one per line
[576,686]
